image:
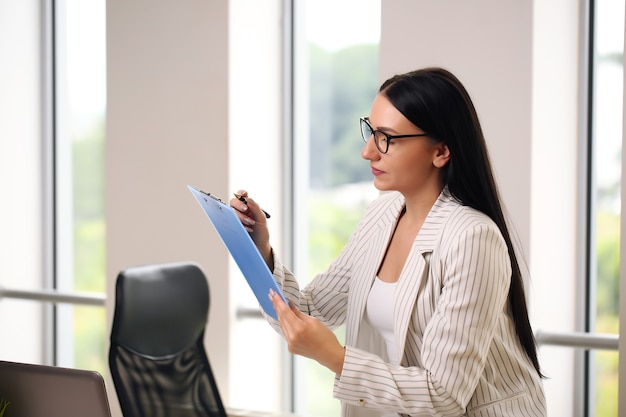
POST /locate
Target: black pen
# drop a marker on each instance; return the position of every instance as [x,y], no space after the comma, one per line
[243,200]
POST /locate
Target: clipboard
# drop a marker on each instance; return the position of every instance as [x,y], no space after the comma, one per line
[241,247]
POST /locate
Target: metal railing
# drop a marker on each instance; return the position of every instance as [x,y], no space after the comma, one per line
[53,296]
[572,339]
[578,340]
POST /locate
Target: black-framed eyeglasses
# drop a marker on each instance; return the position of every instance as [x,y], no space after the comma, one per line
[381,139]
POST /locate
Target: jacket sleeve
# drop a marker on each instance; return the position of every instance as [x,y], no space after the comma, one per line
[326,296]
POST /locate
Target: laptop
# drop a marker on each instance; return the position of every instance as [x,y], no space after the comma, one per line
[51,391]
[241,247]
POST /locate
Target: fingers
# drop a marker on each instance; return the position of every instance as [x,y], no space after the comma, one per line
[307,336]
[290,323]
[282,309]
[240,204]
[239,201]
[248,207]
[286,314]
[290,317]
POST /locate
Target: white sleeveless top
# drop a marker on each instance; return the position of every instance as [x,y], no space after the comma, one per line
[379,313]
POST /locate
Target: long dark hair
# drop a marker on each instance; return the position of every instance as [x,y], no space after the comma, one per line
[436,101]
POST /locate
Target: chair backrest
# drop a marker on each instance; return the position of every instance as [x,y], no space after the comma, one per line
[157,358]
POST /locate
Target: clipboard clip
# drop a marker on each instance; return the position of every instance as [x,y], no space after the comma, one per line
[212,196]
[239,197]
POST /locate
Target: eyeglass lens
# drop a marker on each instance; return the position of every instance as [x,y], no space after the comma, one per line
[367,132]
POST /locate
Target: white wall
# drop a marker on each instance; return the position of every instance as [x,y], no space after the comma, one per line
[255,141]
[555,225]
[167,126]
[488,45]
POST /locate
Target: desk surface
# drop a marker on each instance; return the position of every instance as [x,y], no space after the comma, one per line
[237,412]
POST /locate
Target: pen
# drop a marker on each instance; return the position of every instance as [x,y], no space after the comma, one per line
[243,200]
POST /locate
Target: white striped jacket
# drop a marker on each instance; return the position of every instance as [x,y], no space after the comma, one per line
[460,353]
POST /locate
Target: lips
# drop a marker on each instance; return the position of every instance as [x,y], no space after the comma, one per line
[377,172]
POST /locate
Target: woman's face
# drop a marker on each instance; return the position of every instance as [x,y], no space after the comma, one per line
[412,165]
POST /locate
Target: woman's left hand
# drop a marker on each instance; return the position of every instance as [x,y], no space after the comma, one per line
[307,336]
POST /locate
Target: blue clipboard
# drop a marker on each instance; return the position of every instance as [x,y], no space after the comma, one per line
[241,247]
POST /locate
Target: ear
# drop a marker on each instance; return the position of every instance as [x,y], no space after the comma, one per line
[441,156]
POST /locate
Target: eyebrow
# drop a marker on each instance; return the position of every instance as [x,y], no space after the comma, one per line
[387,129]
[381,128]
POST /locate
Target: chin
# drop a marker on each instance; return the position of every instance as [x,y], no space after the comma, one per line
[380,186]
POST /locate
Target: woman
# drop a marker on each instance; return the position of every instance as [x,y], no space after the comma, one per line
[428,286]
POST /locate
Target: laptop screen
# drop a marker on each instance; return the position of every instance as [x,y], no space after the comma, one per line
[50,391]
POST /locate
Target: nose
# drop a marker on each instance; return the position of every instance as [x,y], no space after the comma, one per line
[369,151]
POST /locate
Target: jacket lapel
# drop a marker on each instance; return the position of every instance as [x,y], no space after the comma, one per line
[385,222]
[415,272]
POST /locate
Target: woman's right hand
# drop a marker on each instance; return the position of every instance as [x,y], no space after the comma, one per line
[255,222]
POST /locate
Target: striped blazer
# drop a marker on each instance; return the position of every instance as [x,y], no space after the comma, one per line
[459,352]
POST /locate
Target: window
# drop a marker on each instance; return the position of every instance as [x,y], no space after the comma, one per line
[576,249]
[80,101]
[22,176]
[329,78]
[335,81]
[56,215]
[606,66]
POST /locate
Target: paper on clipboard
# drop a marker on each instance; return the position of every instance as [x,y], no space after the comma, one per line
[241,247]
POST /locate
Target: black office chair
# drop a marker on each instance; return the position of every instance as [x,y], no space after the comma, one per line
[157,358]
